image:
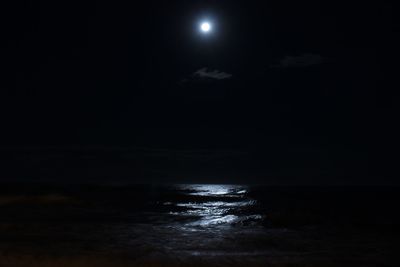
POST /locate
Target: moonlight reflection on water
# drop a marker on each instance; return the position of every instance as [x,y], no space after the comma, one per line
[217,205]
[214,190]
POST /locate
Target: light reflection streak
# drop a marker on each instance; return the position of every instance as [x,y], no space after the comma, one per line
[225,210]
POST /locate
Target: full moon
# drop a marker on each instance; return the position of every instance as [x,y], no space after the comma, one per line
[205,27]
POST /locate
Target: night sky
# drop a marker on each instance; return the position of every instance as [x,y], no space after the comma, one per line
[293,91]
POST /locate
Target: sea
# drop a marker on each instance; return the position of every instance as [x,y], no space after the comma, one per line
[201,224]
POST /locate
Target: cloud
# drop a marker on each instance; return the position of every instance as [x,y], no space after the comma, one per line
[305,60]
[205,75]
[211,74]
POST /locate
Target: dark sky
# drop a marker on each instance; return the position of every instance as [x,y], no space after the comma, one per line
[303,89]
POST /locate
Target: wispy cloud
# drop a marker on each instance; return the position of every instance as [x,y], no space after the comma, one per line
[211,74]
[206,75]
[305,60]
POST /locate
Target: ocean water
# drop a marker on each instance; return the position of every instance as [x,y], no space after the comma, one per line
[178,219]
[215,223]
[205,220]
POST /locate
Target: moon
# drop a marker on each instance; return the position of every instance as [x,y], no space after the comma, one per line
[205,27]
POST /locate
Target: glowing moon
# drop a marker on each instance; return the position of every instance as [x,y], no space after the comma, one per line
[205,27]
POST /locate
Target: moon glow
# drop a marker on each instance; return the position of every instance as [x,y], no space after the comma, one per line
[205,27]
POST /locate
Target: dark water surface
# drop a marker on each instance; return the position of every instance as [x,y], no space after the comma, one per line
[219,223]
